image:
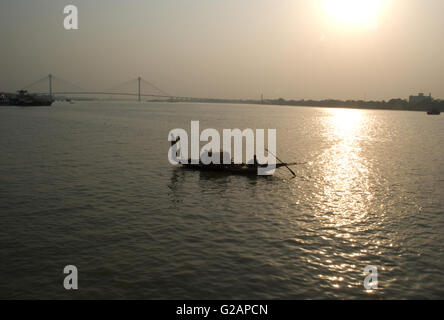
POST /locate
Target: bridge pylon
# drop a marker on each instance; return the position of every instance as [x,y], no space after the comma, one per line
[139,79]
[50,85]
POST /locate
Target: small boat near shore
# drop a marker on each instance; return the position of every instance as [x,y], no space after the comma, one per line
[25,99]
[434,112]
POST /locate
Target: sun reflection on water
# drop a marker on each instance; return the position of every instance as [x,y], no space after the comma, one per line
[344,195]
[345,171]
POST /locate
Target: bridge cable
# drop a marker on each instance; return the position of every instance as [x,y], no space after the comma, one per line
[69,83]
[153,86]
[121,85]
[34,83]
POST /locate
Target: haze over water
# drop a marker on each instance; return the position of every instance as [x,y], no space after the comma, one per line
[294,49]
[90,184]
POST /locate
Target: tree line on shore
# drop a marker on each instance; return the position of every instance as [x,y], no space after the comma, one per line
[392,104]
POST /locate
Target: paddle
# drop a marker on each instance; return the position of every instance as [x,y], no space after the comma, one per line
[294,174]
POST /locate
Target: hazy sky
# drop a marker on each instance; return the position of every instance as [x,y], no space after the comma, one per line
[229,48]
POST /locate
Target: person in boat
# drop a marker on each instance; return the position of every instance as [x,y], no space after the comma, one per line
[219,154]
[173,144]
[176,141]
[255,163]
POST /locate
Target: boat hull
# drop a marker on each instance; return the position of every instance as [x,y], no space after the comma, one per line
[231,169]
[238,169]
[38,104]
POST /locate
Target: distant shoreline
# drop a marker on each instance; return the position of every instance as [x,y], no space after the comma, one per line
[394,105]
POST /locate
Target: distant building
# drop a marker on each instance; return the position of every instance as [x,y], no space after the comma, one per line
[420,99]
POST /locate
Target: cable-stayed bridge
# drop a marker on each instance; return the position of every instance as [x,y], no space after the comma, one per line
[137,87]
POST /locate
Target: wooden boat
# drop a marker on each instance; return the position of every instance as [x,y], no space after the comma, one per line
[241,169]
[232,168]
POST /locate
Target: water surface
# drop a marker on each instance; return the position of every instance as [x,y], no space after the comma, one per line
[89,184]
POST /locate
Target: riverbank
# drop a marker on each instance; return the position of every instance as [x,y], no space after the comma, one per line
[394,104]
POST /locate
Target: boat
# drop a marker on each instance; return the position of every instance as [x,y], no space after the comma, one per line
[434,112]
[238,169]
[231,168]
[4,101]
[25,99]
[234,168]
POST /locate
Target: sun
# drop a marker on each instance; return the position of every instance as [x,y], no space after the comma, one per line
[354,13]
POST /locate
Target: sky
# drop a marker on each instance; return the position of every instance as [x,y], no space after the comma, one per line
[294,49]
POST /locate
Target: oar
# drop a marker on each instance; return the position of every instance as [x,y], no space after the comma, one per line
[295,163]
[294,174]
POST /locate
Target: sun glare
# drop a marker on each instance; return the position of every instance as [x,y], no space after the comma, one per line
[354,13]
